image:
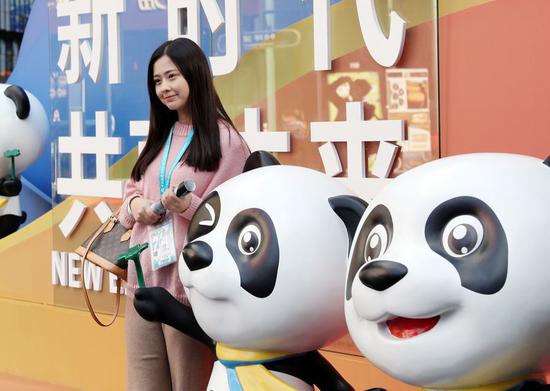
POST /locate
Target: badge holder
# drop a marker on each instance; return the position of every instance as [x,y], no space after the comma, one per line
[161,236]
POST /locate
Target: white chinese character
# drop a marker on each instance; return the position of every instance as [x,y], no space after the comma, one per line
[322,49]
[385,51]
[73,217]
[101,146]
[75,32]
[273,141]
[221,65]
[139,128]
[355,131]
[151,5]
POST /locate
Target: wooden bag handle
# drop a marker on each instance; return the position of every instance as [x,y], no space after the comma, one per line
[83,278]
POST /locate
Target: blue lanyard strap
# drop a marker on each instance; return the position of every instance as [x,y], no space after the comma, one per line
[164,180]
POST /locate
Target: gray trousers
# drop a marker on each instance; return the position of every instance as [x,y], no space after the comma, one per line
[160,358]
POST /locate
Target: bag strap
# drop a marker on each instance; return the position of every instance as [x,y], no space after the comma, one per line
[83,278]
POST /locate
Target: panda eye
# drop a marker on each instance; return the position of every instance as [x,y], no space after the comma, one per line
[206,217]
[377,243]
[462,236]
[209,222]
[250,239]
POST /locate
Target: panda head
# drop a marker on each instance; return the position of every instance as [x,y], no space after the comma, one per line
[23,126]
[448,280]
[266,260]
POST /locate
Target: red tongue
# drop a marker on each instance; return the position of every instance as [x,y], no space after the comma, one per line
[408,328]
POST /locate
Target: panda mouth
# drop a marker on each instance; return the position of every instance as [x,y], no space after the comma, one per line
[404,328]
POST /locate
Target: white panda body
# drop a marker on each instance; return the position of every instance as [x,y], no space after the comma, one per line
[219,382]
[265,259]
[311,241]
[23,137]
[460,298]
[10,206]
[29,135]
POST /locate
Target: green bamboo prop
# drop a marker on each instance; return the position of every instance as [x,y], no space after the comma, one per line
[133,254]
[12,154]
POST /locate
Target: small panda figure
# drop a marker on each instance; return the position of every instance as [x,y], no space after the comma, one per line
[448,283]
[265,260]
[23,136]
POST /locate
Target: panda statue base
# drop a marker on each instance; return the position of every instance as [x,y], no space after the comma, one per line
[448,279]
[265,260]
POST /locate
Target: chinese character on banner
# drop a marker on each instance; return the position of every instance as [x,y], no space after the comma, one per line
[101,146]
[189,26]
[386,51]
[274,141]
[78,34]
[355,131]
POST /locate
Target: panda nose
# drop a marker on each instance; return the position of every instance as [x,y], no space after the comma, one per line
[380,275]
[197,255]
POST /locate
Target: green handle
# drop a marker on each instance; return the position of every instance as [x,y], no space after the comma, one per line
[133,254]
[139,272]
[12,154]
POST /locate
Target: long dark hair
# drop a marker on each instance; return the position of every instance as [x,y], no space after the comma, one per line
[204,105]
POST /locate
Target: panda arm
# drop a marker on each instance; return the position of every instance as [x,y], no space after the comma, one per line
[10,187]
[312,368]
[158,305]
[533,385]
[324,375]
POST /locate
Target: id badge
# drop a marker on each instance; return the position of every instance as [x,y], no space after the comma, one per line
[162,244]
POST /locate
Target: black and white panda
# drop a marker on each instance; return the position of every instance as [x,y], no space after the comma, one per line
[449,278]
[263,269]
[23,136]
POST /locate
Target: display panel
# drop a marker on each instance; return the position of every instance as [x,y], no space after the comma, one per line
[310,81]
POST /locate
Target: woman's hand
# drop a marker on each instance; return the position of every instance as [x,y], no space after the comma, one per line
[175,204]
[141,211]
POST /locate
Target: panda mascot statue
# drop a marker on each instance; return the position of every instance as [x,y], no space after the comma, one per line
[263,268]
[448,283]
[23,136]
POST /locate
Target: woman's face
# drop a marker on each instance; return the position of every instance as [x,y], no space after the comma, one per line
[170,85]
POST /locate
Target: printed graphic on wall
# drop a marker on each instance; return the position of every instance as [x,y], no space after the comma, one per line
[315,96]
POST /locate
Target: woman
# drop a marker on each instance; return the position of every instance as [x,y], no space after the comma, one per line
[190,137]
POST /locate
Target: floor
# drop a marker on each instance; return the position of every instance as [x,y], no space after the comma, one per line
[14,383]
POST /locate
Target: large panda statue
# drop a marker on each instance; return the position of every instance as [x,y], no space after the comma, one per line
[265,260]
[449,279]
[23,136]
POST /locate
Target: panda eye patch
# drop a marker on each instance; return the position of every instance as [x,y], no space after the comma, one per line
[462,236]
[467,233]
[206,217]
[372,240]
[252,242]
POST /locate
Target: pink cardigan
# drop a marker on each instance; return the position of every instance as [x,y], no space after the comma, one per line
[234,154]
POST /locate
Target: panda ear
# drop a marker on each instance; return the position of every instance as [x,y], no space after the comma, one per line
[350,209]
[21,100]
[546,161]
[259,159]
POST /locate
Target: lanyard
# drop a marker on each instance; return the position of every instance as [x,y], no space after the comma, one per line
[164,180]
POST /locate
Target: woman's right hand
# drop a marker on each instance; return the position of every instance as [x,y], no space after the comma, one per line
[142,212]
